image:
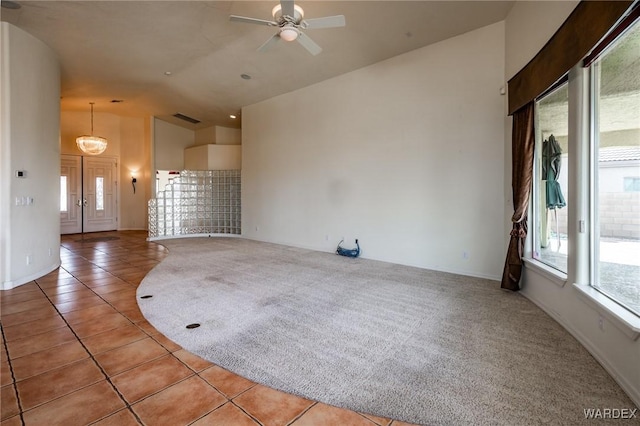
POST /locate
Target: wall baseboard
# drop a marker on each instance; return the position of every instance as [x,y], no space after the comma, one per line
[627,387]
[8,285]
[363,255]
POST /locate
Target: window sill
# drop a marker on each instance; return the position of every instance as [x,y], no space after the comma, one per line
[622,319]
[553,275]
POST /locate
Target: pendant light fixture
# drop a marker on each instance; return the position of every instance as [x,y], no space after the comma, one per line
[92,145]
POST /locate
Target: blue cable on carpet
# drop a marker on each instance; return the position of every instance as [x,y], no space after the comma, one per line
[348,252]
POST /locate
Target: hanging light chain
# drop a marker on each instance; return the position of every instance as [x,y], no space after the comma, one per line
[91,103]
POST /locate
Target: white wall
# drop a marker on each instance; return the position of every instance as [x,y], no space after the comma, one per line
[228,136]
[528,27]
[218,135]
[169,144]
[406,155]
[30,141]
[135,161]
[213,157]
[205,136]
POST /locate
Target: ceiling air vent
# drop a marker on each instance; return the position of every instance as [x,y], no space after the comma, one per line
[186,118]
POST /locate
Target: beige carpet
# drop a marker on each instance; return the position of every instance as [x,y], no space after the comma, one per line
[400,342]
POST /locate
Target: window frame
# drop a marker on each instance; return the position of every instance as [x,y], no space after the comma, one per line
[592,67]
[546,268]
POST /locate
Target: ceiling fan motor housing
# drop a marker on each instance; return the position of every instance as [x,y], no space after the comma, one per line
[278,17]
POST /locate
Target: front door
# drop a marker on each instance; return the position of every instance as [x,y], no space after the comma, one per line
[71,194]
[90,198]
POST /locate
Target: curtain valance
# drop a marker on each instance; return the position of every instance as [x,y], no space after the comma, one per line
[584,28]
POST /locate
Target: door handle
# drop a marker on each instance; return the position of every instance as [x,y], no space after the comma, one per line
[84,202]
[79,203]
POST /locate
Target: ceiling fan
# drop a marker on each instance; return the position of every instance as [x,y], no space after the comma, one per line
[288,18]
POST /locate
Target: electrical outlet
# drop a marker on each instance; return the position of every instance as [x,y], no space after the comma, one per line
[465,255]
[601,322]
[29,259]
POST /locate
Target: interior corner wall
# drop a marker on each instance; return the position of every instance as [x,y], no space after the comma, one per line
[30,142]
[527,30]
[205,136]
[169,143]
[135,162]
[406,155]
[218,135]
[228,136]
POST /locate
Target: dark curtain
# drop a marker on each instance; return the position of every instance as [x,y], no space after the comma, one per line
[522,145]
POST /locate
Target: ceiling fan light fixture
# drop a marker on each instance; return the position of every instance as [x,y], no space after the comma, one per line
[89,144]
[289,33]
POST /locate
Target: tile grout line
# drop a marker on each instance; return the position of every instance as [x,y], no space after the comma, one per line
[231,400]
[13,377]
[127,404]
[107,377]
[104,373]
[295,419]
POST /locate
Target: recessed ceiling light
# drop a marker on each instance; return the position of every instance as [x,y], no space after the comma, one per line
[232,116]
[7,4]
[167,73]
[245,76]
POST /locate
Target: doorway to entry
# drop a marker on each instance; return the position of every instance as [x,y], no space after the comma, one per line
[88,196]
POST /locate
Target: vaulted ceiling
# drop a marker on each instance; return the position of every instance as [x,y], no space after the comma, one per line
[167,57]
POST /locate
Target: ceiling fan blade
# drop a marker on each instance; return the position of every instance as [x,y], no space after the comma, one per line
[287,8]
[309,44]
[326,22]
[267,44]
[246,20]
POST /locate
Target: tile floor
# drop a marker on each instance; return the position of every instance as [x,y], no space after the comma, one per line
[76,350]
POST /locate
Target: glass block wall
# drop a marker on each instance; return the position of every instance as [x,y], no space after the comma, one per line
[197,202]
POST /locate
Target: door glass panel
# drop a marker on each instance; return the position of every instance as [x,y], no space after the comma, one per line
[63,193]
[100,193]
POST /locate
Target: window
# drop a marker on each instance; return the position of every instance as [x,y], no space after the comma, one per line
[632,184]
[550,188]
[100,193]
[615,165]
[63,193]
